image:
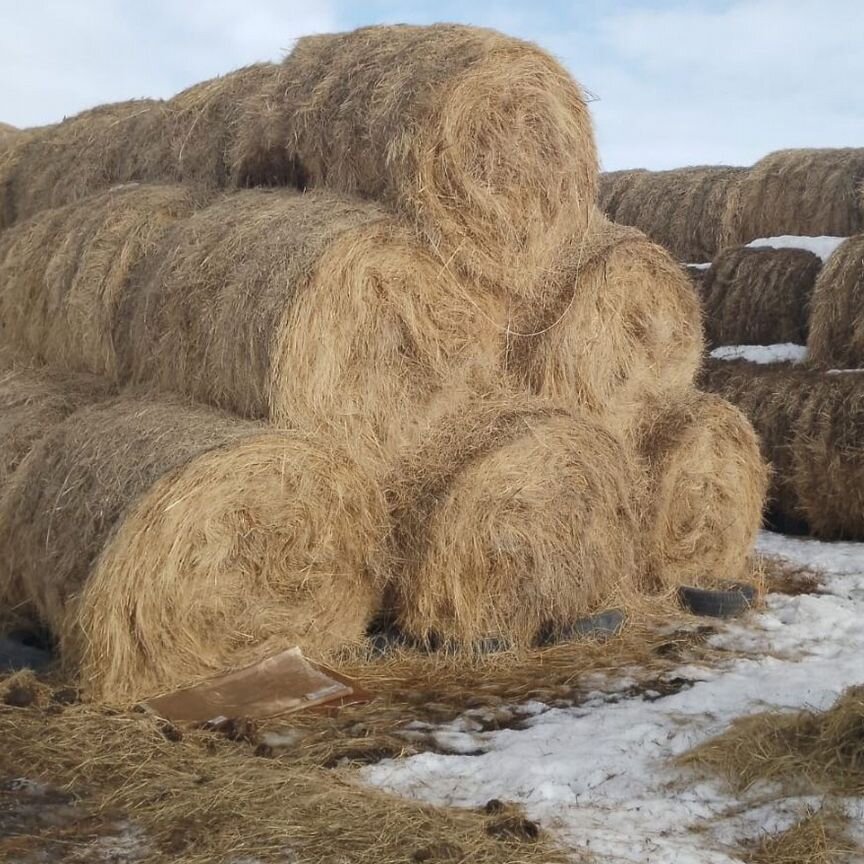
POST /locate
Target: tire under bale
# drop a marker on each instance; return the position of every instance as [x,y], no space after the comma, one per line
[64,273]
[686,210]
[805,193]
[837,310]
[623,325]
[759,296]
[183,542]
[481,141]
[282,306]
[514,518]
[707,486]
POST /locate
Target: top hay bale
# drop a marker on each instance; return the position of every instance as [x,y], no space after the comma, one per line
[482,142]
[806,193]
[686,210]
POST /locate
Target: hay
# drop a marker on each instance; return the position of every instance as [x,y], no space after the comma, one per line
[686,210]
[707,486]
[64,273]
[817,838]
[481,141]
[759,296]
[613,186]
[512,517]
[621,325]
[837,309]
[163,542]
[279,305]
[806,193]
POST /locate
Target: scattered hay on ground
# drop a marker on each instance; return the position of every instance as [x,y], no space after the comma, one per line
[837,309]
[818,838]
[784,577]
[805,193]
[759,296]
[481,141]
[163,542]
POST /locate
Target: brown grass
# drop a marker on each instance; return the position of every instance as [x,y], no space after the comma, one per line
[64,273]
[707,487]
[801,192]
[511,517]
[817,838]
[482,142]
[162,542]
[282,306]
[686,210]
[837,309]
[622,325]
[759,296]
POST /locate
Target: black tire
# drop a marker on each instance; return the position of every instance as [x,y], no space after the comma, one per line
[604,625]
[729,603]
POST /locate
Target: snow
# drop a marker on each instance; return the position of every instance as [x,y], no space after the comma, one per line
[783,352]
[601,775]
[821,246]
[699,266]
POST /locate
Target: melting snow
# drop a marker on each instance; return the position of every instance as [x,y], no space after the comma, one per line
[821,246]
[784,352]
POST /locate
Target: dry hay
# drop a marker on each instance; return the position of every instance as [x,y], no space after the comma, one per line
[707,486]
[759,296]
[513,517]
[280,305]
[481,141]
[686,210]
[162,542]
[817,838]
[805,193]
[837,309]
[613,186]
[622,325]
[64,272]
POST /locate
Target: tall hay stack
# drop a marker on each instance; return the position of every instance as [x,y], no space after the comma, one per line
[64,273]
[687,210]
[482,142]
[164,542]
[759,296]
[613,186]
[279,305]
[837,309]
[807,192]
[622,326]
[511,518]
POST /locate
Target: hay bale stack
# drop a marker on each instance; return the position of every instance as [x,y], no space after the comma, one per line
[686,210]
[512,517]
[837,310]
[481,141]
[806,193]
[279,305]
[163,542]
[759,296]
[64,272]
[707,487]
[622,325]
[613,186]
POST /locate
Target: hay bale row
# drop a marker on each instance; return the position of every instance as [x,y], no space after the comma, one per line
[837,310]
[686,209]
[811,426]
[759,296]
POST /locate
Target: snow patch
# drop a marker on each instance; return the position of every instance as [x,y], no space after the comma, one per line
[783,352]
[822,246]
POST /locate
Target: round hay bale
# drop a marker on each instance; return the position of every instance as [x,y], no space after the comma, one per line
[759,296]
[623,324]
[805,193]
[164,542]
[279,305]
[687,210]
[837,309]
[481,141]
[697,276]
[511,518]
[613,185]
[64,272]
[707,486]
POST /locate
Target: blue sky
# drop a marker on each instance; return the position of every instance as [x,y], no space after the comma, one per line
[673,82]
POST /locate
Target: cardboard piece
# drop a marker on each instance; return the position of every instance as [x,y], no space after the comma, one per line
[282,684]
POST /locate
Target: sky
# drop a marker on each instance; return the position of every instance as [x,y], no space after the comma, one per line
[671,82]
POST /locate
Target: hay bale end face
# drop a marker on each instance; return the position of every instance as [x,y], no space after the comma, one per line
[837,310]
[183,542]
[759,296]
[481,141]
[513,517]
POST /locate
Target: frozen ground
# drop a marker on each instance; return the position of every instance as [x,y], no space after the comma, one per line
[602,775]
